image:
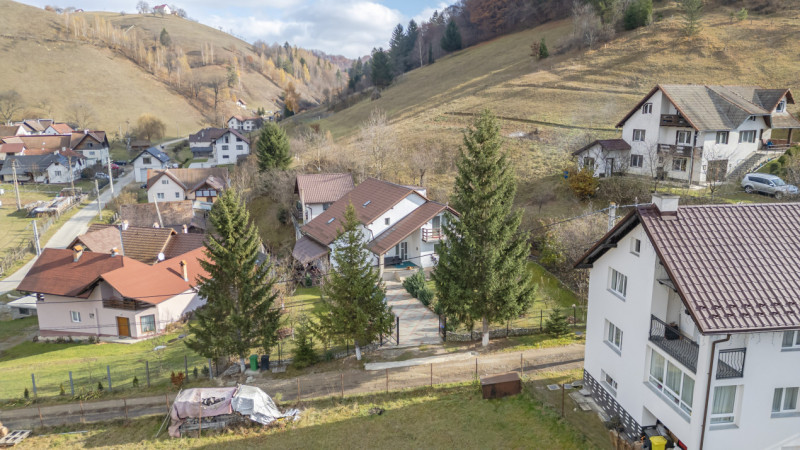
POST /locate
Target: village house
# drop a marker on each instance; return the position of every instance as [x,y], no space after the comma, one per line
[12,130]
[34,126]
[58,128]
[695,133]
[179,216]
[91,144]
[82,293]
[399,224]
[22,307]
[200,143]
[318,191]
[246,124]
[230,146]
[162,9]
[241,103]
[151,158]
[694,323]
[202,185]
[47,168]
[144,244]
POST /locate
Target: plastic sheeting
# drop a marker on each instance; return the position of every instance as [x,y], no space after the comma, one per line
[254,403]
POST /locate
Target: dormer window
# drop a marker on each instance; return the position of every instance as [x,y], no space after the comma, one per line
[753,118]
[387,221]
[647,108]
[781,106]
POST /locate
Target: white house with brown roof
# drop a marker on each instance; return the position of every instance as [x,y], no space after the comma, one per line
[58,128]
[229,146]
[694,324]
[205,184]
[82,293]
[246,124]
[399,223]
[699,132]
[92,144]
[200,143]
[318,191]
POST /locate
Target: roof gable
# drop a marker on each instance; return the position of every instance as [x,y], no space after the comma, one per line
[55,272]
[323,187]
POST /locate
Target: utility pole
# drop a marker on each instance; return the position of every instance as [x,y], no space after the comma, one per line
[97,190]
[16,188]
[36,239]
[71,175]
[110,178]
[612,215]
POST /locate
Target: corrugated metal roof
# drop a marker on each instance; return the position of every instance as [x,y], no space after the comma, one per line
[323,187]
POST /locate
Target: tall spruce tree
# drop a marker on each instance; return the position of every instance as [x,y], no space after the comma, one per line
[482,273]
[382,73]
[451,40]
[353,306]
[272,148]
[238,314]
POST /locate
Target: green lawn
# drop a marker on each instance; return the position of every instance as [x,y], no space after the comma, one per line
[443,417]
[9,328]
[52,362]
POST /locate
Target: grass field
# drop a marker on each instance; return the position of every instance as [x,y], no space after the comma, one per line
[446,417]
[10,328]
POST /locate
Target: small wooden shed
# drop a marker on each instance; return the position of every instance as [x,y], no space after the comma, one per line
[501,385]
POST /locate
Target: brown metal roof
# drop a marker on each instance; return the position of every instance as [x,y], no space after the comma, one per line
[323,187]
[174,214]
[404,227]
[141,244]
[187,178]
[371,199]
[183,243]
[306,250]
[55,272]
[606,144]
[734,266]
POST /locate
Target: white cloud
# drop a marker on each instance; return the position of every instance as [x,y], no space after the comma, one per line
[426,13]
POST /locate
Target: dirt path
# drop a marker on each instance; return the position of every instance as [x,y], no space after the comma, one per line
[26,335]
[313,386]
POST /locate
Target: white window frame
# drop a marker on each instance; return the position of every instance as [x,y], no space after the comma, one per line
[147,160]
[639,135]
[685,133]
[781,106]
[722,137]
[588,162]
[142,323]
[677,398]
[681,164]
[617,282]
[782,398]
[608,382]
[240,147]
[75,316]
[744,133]
[790,340]
[614,336]
[164,181]
[727,417]
[637,160]
[647,108]
[160,195]
[57,173]
[636,246]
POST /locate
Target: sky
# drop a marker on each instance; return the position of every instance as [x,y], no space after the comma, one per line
[339,27]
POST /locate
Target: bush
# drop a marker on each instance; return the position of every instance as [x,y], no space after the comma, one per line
[425,295]
[177,379]
[283,216]
[543,52]
[26,394]
[415,283]
[638,14]
[195,372]
[304,355]
[99,386]
[741,15]
[135,382]
[582,183]
[556,325]
[205,371]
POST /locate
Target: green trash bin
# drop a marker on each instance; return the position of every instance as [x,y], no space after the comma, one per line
[254,364]
[658,442]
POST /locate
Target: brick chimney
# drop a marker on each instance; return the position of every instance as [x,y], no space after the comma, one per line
[666,204]
[77,252]
[185,271]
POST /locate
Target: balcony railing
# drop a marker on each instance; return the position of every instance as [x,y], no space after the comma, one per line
[670,339]
[673,120]
[432,234]
[678,150]
[730,363]
[127,304]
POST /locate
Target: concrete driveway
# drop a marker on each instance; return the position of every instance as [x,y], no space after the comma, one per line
[418,324]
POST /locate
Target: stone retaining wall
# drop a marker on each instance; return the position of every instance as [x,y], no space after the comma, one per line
[493,334]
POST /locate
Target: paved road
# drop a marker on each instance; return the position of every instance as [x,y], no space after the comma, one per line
[418,325]
[314,385]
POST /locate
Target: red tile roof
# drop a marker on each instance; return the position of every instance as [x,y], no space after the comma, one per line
[55,272]
[404,227]
[734,266]
[323,187]
[606,144]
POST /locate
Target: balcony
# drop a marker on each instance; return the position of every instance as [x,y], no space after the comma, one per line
[432,234]
[730,363]
[125,303]
[673,120]
[678,150]
[670,339]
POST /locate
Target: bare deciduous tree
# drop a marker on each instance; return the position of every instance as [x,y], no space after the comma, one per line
[377,141]
[10,104]
[81,114]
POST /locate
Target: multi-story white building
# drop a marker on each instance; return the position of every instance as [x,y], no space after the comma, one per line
[149,159]
[694,323]
[228,147]
[241,123]
[318,191]
[694,131]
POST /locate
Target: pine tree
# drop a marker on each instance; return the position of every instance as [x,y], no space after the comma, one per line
[353,306]
[272,148]
[238,314]
[482,271]
[451,41]
[556,325]
[543,52]
[165,39]
[304,354]
[382,73]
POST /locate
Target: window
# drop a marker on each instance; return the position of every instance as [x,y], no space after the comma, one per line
[679,164]
[24,311]
[785,400]
[164,181]
[781,106]
[238,139]
[588,163]
[224,147]
[160,195]
[722,410]
[148,324]
[636,246]
[57,173]
[91,144]
[684,137]
[75,316]
[325,206]
[91,152]
[638,135]
[609,382]
[240,147]
[753,118]
[637,160]
[225,157]
[614,336]
[748,136]
[668,378]
[791,339]
[146,160]
[647,108]
[722,137]
[177,195]
[619,283]
[387,221]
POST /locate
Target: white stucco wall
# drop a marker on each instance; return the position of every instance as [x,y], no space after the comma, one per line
[395,214]
[96,155]
[172,191]
[227,148]
[140,168]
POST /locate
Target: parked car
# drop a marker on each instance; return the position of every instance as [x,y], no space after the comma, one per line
[101,176]
[767,184]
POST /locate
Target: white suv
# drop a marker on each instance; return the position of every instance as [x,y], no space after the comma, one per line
[767,184]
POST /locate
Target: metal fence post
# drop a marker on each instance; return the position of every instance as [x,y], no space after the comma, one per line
[147,372]
[33,380]
[342,375]
[398,330]
[71,384]
[108,375]
[185,366]
[210,370]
